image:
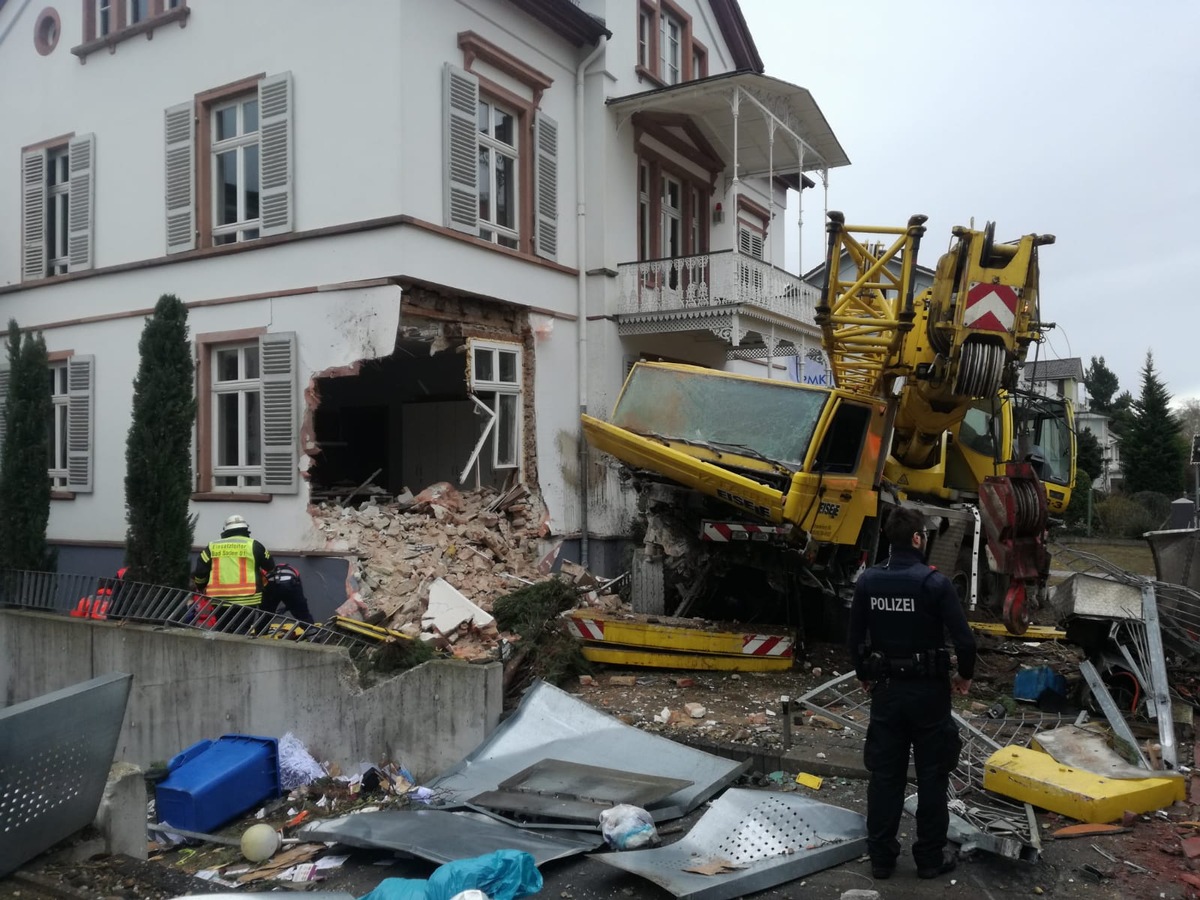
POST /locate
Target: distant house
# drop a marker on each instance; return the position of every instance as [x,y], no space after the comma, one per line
[1055,378]
[1064,378]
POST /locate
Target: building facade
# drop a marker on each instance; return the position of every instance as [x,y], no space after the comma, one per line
[415,241]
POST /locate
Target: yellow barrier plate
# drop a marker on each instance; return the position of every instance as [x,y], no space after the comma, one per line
[593,627]
[1039,779]
[1032,633]
[636,656]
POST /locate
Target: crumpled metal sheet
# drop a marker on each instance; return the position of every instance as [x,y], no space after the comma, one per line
[769,837]
[441,836]
[55,753]
[551,724]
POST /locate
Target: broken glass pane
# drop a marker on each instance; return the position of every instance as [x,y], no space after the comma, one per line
[776,419]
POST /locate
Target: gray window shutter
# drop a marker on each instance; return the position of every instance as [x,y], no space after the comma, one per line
[545,183]
[181,178]
[275,154]
[80,422]
[277,355]
[33,215]
[82,153]
[462,150]
[3,405]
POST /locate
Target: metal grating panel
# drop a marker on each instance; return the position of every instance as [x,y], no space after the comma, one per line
[770,838]
[55,753]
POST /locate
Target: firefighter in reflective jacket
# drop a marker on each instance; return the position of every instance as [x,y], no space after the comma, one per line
[898,622]
[232,570]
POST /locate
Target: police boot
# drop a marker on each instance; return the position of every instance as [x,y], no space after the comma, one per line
[948,864]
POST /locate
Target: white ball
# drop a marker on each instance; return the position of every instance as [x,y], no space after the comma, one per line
[259,842]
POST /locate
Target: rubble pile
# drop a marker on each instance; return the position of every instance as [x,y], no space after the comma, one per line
[432,565]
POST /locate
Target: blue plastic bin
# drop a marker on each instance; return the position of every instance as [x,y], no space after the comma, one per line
[1030,684]
[212,782]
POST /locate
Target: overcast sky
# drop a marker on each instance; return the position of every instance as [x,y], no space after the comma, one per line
[1079,119]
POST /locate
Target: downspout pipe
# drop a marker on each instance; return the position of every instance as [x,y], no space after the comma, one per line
[581,292]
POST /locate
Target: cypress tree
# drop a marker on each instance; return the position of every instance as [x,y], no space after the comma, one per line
[24,467]
[1152,454]
[158,460]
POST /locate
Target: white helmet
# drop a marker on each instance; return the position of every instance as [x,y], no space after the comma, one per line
[236,523]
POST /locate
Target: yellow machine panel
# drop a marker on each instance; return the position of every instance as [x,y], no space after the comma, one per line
[1038,778]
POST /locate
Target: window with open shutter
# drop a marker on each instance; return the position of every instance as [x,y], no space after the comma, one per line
[278,363]
[462,150]
[80,422]
[33,215]
[546,185]
[82,155]
[275,157]
[181,183]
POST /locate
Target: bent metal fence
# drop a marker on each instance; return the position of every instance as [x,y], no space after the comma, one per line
[116,600]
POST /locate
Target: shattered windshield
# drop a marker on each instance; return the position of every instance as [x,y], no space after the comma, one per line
[775,420]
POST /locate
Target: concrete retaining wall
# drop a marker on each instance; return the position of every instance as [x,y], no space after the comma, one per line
[189,686]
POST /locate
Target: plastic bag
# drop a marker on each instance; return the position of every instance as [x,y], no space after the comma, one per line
[627,827]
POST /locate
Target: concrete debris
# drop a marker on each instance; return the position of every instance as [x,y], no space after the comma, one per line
[442,555]
[448,610]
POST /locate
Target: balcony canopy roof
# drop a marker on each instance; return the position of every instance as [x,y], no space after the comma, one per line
[803,139]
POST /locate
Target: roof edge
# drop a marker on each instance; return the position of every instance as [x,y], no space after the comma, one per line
[565,19]
[737,35]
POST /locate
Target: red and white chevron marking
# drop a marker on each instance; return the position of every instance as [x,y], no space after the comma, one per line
[990,307]
[726,532]
[586,629]
[766,645]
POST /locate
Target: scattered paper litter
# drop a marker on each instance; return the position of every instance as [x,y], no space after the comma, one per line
[296,765]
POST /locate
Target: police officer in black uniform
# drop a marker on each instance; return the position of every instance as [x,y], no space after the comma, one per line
[901,612]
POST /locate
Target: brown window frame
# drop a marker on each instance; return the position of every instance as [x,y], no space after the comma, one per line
[205,103]
[205,344]
[659,167]
[651,69]
[475,47]
[121,30]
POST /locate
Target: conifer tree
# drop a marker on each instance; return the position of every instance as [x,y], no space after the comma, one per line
[158,460]
[1151,449]
[24,464]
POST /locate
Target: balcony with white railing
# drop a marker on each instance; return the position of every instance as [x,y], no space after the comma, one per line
[709,281]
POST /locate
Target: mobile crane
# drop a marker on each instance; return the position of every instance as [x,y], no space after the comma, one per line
[931,377]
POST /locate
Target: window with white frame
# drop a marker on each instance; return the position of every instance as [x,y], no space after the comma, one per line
[236,417]
[58,210]
[498,174]
[136,11]
[105,19]
[58,424]
[645,33]
[235,171]
[70,421]
[644,229]
[671,52]
[496,385]
[672,217]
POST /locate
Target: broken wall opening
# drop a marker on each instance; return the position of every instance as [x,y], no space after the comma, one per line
[452,399]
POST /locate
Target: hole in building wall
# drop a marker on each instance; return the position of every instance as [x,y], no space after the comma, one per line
[405,421]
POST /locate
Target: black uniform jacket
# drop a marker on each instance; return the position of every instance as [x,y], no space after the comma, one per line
[904,606]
